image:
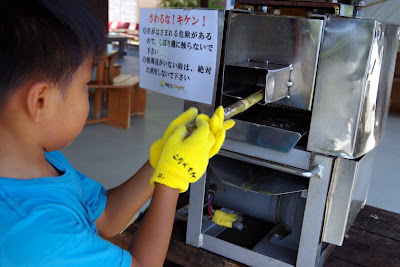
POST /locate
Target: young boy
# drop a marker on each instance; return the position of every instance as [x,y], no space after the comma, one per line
[51,214]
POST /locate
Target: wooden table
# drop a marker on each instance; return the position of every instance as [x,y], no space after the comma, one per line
[373,240]
[103,76]
[124,99]
[121,39]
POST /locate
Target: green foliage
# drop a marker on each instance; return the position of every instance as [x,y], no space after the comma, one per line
[189,3]
[214,4]
[179,3]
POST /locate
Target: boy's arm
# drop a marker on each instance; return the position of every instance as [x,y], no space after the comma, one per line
[150,244]
[124,201]
[183,160]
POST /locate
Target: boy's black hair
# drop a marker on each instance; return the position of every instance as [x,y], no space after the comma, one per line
[45,39]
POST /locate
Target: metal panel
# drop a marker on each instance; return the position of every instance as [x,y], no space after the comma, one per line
[379,86]
[254,190]
[346,10]
[361,186]
[272,165]
[240,254]
[195,214]
[277,83]
[264,136]
[279,40]
[309,247]
[338,201]
[221,28]
[274,78]
[196,238]
[297,158]
[353,86]
[347,196]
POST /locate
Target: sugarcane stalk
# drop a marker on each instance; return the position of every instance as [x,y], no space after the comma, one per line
[234,109]
[244,104]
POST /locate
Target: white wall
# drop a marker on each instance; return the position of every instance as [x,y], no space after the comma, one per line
[128,10]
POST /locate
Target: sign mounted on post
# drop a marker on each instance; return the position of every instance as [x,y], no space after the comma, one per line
[179,52]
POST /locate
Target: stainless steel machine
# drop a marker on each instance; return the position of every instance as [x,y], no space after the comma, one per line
[297,166]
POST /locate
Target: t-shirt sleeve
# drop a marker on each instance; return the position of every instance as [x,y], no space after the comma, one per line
[94,194]
[48,240]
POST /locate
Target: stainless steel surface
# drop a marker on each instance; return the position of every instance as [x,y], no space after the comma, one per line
[338,200]
[240,254]
[274,78]
[221,21]
[296,157]
[359,6]
[290,45]
[252,134]
[283,40]
[271,126]
[253,176]
[263,136]
[276,239]
[255,191]
[346,10]
[310,239]
[194,236]
[347,195]
[277,84]
[353,86]
[322,182]
[361,187]
[272,165]
[266,247]
[310,230]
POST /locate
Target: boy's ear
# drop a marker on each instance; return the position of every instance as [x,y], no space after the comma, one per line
[37,100]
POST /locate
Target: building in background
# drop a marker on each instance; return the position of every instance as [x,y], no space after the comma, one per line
[127,11]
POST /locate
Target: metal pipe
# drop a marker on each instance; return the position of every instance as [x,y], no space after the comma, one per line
[316,171]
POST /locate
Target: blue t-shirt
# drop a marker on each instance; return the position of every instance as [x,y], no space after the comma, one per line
[50,221]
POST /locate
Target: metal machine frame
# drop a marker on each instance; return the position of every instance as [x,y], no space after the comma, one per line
[332,203]
[336,160]
[310,245]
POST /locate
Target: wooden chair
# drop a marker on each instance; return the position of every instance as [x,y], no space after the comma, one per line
[116,71]
[124,99]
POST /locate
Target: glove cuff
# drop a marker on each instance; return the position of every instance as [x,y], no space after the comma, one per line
[172,177]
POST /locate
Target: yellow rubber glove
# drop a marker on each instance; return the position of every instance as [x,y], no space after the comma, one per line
[224,219]
[183,119]
[184,160]
[218,127]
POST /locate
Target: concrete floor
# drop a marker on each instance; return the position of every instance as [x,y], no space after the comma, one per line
[111,155]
